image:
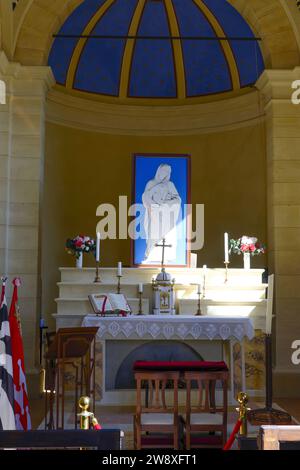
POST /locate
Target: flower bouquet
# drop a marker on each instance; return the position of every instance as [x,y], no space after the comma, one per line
[246,246]
[79,245]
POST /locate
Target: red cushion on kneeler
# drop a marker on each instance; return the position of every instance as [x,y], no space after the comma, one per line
[180,365]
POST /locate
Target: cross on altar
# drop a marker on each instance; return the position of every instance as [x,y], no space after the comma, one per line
[163,246]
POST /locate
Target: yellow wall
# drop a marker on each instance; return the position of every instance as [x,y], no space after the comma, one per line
[84,169]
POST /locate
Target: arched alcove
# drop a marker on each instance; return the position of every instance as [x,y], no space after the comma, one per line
[151,351]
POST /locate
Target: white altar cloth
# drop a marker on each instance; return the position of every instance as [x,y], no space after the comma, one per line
[171,327]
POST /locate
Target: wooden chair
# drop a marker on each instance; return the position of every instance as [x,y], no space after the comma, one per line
[73,347]
[206,416]
[157,416]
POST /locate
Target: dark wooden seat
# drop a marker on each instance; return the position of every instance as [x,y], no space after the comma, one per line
[205,416]
[73,347]
[159,416]
[106,439]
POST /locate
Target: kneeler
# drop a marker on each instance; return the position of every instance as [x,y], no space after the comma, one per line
[73,347]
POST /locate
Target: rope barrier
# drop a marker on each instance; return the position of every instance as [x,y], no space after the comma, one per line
[95,424]
[230,441]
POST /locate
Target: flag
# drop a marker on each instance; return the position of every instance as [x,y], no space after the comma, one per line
[21,403]
[7,415]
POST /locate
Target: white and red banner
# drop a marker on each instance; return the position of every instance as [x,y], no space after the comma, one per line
[7,417]
[21,404]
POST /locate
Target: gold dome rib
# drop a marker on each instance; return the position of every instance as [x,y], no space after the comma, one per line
[82,42]
[129,48]
[235,78]
[177,49]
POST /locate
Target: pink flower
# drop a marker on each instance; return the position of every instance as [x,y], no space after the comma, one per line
[252,247]
[244,248]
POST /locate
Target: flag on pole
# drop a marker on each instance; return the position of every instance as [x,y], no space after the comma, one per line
[21,403]
[7,415]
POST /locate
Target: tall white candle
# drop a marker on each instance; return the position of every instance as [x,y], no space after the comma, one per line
[226,248]
[98,247]
[120,268]
[270,304]
[141,288]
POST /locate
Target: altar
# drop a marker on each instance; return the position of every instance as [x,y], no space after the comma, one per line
[230,328]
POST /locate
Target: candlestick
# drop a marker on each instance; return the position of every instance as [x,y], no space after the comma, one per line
[226,272]
[140,303]
[97,277]
[98,247]
[199,313]
[119,284]
[226,248]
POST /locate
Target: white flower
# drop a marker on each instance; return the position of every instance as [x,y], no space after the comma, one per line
[248,240]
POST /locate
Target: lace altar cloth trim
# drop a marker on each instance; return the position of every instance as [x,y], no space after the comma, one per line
[171,327]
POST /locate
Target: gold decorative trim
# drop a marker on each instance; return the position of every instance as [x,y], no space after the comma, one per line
[133,101]
[177,48]
[82,42]
[129,48]
[127,119]
[235,77]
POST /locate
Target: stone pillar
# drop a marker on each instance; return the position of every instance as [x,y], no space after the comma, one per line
[283,200]
[22,126]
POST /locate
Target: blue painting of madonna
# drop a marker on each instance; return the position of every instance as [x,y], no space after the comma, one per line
[161,197]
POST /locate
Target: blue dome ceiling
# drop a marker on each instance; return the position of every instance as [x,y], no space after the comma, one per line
[132,68]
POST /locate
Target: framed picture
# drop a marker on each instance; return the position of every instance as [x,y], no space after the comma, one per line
[161,194]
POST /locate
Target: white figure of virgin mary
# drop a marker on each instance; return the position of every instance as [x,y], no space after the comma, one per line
[163,208]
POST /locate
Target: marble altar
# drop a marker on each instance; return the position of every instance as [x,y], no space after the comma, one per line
[234,316]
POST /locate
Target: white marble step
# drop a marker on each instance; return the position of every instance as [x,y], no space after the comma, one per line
[81,305]
[214,292]
[182,275]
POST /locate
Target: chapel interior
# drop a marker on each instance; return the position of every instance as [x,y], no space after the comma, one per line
[97,96]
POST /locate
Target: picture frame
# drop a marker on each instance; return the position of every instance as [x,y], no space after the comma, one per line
[161,194]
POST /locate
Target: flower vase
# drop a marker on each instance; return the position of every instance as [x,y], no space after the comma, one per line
[79,261]
[247,264]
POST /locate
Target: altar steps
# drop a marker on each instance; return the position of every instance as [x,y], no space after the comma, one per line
[244,292]
[214,292]
[255,309]
[181,275]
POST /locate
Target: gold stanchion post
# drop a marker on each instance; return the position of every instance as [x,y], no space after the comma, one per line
[85,415]
[243,399]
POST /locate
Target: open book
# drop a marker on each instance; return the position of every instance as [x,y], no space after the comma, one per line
[110,304]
